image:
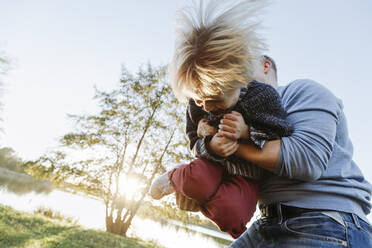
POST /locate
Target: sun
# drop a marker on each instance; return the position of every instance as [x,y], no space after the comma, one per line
[130,187]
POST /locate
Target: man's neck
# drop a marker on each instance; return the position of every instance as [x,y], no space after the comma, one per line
[271,81]
[274,84]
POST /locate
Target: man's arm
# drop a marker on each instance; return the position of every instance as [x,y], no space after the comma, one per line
[313,110]
[233,127]
[267,157]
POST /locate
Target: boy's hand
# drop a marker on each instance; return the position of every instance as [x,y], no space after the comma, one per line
[232,126]
[222,146]
[204,129]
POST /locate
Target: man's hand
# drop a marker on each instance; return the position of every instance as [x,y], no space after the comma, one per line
[232,126]
[204,129]
[222,146]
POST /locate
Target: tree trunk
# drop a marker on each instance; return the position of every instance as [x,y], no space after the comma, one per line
[122,224]
[116,226]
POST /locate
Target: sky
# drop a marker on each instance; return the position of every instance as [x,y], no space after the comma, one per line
[60,50]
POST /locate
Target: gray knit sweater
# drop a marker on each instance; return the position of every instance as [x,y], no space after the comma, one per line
[261,108]
[315,167]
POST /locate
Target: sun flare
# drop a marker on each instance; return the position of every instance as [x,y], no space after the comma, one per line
[129,186]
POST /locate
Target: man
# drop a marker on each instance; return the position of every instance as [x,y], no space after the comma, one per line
[317,196]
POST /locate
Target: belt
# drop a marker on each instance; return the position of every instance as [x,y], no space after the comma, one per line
[274,210]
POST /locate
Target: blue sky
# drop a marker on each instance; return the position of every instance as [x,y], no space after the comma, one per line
[61,49]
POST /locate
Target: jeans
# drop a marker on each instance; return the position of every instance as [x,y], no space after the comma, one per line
[325,229]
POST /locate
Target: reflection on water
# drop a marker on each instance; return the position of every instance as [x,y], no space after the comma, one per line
[169,236]
[91,213]
[68,204]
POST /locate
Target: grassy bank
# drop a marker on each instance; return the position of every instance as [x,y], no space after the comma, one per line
[22,230]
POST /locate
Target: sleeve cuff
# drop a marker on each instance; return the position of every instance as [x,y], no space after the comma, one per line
[200,150]
[258,138]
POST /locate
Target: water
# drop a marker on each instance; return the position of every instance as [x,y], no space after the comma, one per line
[82,209]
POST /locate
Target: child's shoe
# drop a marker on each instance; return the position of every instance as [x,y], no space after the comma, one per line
[161,187]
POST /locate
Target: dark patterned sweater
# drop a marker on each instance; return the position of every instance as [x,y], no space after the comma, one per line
[261,108]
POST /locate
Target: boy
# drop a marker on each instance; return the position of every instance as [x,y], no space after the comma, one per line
[212,66]
[220,189]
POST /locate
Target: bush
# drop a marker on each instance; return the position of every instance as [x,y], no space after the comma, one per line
[53,214]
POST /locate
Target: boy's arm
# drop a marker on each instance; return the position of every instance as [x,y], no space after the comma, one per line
[197,145]
[210,147]
[218,149]
[193,115]
[261,108]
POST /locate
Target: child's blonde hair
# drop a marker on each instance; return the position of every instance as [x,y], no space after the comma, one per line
[216,47]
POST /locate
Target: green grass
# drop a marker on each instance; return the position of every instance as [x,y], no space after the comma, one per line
[22,230]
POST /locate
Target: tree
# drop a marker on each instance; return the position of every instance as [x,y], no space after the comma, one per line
[9,160]
[4,67]
[4,64]
[137,130]
[14,178]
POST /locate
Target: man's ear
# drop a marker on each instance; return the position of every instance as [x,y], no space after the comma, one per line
[267,66]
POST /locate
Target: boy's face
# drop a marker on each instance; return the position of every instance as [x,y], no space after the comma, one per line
[217,104]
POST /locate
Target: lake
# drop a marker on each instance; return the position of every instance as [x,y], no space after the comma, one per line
[91,213]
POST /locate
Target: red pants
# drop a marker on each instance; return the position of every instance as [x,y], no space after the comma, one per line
[229,201]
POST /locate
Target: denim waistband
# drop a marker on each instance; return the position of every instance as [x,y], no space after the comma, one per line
[352,218]
[340,217]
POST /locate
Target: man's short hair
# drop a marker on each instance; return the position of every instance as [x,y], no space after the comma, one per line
[273,64]
[215,48]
